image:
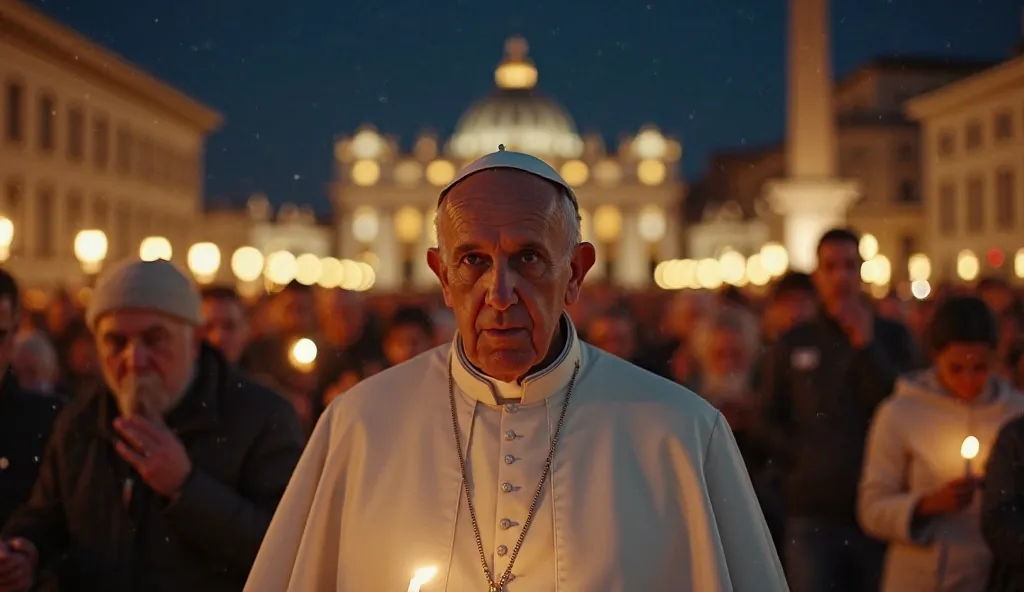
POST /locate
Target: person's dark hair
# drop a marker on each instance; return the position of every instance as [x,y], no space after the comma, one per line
[839,235]
[220,293]
[295,286]
[412,315]
[992,283]
[962,319]
[793,281]
[9,290]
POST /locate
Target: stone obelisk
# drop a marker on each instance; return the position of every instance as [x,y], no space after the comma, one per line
[811,198]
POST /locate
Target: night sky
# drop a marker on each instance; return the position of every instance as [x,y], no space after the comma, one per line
[290,76]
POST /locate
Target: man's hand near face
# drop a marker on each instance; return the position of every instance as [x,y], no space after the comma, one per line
[857,321]
[155,453]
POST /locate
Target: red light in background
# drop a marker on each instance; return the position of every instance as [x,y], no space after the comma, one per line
[995,257]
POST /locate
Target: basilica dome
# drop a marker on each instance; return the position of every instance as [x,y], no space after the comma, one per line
[517,115]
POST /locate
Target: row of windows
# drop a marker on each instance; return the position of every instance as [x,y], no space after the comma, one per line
[135,154]
[1002,130]
[976,191]
[49,231]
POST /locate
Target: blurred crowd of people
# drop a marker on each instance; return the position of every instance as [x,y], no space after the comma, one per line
[851,412]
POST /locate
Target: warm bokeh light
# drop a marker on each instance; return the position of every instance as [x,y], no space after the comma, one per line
[651,223]
[732,267]
[303,353]
[408,224]
[651,172]
[1018,263]
[868,247]
[365,224]
[91,249]
[970,448]
[774,259]
[308,269]
[575,172]
[708,276]
[919,267]
[920,289]
[756,272]
[6,237]
[203,260]
[607,223]
[440,173]
[365,173]
[247,264]
[967,265]
[154,248]
[331,273]
[280,267]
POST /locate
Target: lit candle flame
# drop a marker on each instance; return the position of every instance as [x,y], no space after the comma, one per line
[970,447]
[421,576]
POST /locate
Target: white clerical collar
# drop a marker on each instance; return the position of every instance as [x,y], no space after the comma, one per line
[536,387]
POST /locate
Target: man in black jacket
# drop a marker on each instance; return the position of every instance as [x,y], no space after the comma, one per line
[167,479]
[822,382]
[25,418]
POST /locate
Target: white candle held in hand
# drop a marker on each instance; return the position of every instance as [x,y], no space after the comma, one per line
[421,576]
[969,450]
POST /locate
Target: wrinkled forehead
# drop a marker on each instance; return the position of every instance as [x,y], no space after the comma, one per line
[134,322]
[501,205]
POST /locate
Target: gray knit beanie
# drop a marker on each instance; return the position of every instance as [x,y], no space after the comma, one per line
[158,286]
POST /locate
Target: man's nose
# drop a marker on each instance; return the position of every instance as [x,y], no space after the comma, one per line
[137,356]
[501,289]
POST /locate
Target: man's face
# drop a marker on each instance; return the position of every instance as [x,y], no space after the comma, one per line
[405,342]
[506,270]
[8,326]
[147,359]
[837,277]
[615,335]
[226,327]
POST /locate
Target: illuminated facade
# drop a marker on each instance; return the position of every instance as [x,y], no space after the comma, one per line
[973,160]
[89,141]
[385,200]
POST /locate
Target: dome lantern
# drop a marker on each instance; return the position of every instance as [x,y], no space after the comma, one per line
[516,71]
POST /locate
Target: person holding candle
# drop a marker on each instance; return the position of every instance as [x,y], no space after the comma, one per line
[517,458]
[925,449]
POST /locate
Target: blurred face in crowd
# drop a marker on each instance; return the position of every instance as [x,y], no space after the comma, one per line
[998,298]
[8,326]
[837,277]
[293,311]
[35,363]
[615,334]
[147,358]
[226,326]
[83,359]
[726,352]
[59,314]
[343,316]
[964,368]
[406,341]
[508,267]
[788,309]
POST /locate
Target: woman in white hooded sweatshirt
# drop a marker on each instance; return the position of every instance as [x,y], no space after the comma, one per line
[917,492]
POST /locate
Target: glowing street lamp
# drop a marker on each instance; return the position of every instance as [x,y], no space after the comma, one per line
[420,577]
[303,354]
[91,250]
[154,248]
[204,261]
[247,264]
[6,237]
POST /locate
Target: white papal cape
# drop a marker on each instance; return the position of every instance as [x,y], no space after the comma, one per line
[647,491]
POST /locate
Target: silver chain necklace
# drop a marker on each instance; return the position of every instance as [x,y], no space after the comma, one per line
[499,586]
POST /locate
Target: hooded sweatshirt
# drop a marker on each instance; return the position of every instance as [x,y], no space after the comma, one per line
[913,449]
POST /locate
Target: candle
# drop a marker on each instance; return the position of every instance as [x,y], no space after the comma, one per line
[969,450]
[421,576]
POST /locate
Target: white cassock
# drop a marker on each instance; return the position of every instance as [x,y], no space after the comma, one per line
[647,492]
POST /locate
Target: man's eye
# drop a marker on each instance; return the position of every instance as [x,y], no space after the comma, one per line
[529,257]
[472,260]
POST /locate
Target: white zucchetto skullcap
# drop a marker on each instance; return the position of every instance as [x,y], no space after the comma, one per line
[157,286]
[506,159]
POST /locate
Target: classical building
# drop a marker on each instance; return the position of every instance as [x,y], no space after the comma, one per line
[878,147]
[973,158]
[89,141]
[385,199]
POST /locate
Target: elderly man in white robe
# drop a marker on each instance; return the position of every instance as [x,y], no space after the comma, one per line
[517,458]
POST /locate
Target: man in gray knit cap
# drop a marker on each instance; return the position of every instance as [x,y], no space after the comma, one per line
[168,477]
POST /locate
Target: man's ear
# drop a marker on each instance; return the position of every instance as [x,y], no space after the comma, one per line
[583,258]
[436,264]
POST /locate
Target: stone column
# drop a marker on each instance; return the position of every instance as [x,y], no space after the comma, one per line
[388,251]
[631,263]
[811,199]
